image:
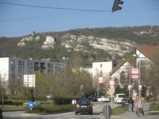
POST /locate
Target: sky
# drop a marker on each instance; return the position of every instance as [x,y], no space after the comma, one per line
[23,17]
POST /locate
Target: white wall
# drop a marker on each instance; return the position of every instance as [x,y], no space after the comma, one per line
[102,69]
[124,68]
[4,69]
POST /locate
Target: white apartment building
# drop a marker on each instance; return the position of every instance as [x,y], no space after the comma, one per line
[101,70]
[15,68]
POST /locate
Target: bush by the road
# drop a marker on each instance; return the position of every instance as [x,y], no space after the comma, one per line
[51,109]
[154,108]
[64,100]
[9,102]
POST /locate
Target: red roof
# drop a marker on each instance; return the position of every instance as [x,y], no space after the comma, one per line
[148,51]
[132,63]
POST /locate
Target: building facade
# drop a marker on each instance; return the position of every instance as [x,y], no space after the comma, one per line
[15,68]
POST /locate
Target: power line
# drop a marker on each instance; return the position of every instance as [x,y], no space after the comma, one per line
[57,8]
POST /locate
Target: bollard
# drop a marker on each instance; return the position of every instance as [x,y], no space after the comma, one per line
[107,111]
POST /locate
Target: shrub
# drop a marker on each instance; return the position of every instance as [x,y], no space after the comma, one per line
[12,102]
[51,109]
[63,100]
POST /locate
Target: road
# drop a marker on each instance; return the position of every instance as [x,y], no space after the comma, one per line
[97,109]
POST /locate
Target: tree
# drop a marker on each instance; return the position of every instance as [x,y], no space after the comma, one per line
[152,75]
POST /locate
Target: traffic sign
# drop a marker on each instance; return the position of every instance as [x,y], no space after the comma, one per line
[111,91]
[112,87]
[134,71]
[140,87]
[134,76]
[112,82]
[129,87]
[30,105]
[100,80]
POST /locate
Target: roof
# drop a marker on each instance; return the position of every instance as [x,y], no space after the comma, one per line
[148,51]
[132,62]
[119,64]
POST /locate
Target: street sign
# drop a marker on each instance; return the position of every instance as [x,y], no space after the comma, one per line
[134,71]
[134,76]
[100,80]
[111,91]
[129,87]
[112,87]
[112,82]
[30,105]
[140,87]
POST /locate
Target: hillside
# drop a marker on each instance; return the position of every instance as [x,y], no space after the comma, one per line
[98,44]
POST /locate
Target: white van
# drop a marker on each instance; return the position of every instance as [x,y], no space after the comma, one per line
[119,97]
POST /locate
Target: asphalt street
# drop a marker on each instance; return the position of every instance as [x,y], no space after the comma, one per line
[70,115]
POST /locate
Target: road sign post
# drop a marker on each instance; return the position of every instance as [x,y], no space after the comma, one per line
[31,105]
[112,89]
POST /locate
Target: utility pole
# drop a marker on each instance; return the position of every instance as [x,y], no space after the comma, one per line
[139,87]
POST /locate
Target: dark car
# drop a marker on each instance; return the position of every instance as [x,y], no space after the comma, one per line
[92,98]
[84,106]
[124,101]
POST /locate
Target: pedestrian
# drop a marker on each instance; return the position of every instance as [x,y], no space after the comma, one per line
[140,106]
[135,104]
[130,104]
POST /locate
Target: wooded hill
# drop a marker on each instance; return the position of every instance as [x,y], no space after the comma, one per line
[87,42]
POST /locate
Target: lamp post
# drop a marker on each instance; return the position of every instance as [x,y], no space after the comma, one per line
[139,73]
[139,80]
[129,86]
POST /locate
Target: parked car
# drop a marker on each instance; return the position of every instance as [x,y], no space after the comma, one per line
[103,99]
[84,106]
[125,101]
[92,98]
[119,97]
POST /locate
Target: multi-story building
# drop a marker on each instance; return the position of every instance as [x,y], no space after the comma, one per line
[15,68]
[102,69]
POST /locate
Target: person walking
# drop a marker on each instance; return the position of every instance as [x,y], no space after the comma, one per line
[140,106]
[135,104]
[130,104]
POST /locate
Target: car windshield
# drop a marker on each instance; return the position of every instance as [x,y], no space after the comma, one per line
[83,102]
[122,96]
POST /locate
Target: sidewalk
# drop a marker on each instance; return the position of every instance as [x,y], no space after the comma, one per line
[132,115]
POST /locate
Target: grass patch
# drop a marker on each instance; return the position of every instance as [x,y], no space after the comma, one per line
[13,108]
[119,110]
[154,108]
[154,113]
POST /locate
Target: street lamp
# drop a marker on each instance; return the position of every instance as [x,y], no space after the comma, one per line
[139,74]
[139,78]
[129,85]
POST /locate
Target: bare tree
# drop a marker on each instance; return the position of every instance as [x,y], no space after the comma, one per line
[152,75]
[3,87]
